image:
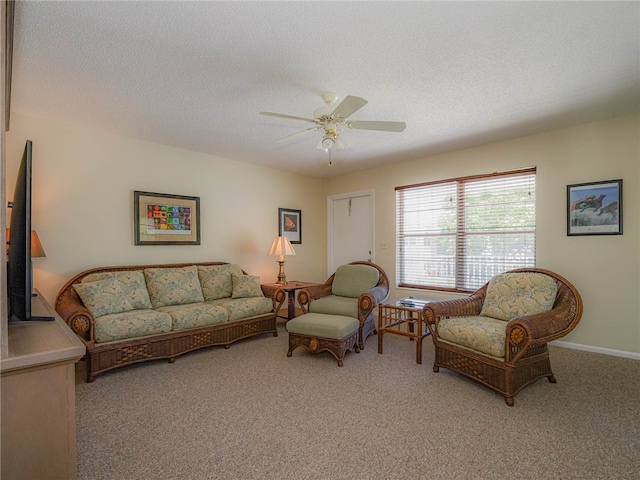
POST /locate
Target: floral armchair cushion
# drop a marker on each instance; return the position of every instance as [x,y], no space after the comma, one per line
[511,295]
[483,334]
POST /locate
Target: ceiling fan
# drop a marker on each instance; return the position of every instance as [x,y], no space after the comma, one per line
[333,119]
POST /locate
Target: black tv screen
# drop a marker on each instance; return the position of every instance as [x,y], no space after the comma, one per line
[19,271]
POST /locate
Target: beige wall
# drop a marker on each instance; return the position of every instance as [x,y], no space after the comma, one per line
[604,269]
[83,183]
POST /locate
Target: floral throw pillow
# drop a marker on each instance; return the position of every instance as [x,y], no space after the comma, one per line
[173,285]
[132,284]
[103,297]
[245,286]
[216,280]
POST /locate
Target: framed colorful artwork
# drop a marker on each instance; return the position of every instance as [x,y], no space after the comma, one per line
[594,208]
[164,219]
[290,224]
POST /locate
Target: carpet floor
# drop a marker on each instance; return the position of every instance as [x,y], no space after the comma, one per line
[250,412]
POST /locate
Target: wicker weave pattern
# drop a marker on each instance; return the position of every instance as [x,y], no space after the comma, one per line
[107,356]
[337,347]
[526,353]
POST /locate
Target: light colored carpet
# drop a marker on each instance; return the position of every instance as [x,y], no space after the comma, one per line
[252,413]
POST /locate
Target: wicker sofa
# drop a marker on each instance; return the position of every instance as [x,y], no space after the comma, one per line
[131,314]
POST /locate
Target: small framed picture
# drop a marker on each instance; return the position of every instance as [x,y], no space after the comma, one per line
[594,208]
[290,224]
[164,219]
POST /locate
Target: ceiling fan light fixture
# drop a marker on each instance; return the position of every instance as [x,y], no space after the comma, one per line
[326,143]
[330,141]
[333,119]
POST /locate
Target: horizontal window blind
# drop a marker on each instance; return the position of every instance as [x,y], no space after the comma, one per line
[457,234]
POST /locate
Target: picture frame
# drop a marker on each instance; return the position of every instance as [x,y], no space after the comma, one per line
[594,208]
[290,224]
[166,219]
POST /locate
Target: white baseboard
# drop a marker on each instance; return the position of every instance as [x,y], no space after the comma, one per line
[589,348]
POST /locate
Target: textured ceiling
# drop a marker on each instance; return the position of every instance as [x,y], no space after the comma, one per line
[195,75]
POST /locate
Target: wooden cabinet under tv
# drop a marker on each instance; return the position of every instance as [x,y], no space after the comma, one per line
[38,398]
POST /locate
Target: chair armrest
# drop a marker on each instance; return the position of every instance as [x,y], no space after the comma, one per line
[366,304]
[276,294]
[369,300]
[469,306]
[380,293]
[76,315]
[308,294]
[458,307]
[544,327]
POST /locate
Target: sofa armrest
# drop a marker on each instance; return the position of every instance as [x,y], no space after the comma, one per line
[71,309]
[276,294]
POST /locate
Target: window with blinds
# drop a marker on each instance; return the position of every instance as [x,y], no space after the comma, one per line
[457,234]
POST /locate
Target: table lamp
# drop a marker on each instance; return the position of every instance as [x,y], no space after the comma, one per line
[281,246]
[37,251]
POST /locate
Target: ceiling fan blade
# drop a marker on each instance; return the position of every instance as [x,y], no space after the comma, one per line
[349,106]
[293,136]
[383,126]
[280,115]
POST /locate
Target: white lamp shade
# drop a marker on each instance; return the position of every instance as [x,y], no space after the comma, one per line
[281,246]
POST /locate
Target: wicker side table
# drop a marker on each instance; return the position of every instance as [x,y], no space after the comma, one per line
[290,288]
[403,317]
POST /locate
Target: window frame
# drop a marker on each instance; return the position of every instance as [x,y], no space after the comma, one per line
[460,258]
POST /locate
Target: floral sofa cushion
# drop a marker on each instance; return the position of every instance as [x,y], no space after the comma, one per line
[511,295]
[103,297]
[133,324]
[173,286]
[195,315]
[354,280]
[216,280]
[483,334]
[240,308]
[132,284]
[246,286]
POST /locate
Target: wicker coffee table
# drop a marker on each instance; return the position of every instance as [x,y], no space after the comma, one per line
[403,317]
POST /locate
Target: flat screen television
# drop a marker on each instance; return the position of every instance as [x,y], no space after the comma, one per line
[19,268]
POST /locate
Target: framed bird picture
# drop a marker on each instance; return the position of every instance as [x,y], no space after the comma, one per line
[290,224]
[595,208]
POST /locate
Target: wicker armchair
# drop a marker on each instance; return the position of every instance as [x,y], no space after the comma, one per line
[354,290]
[463,334]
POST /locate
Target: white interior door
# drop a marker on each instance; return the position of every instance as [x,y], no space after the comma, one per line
[351,229]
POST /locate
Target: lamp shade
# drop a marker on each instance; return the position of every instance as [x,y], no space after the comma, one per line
[281,246]
[36,247]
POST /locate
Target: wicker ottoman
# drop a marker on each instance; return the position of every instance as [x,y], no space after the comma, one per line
[320,332]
